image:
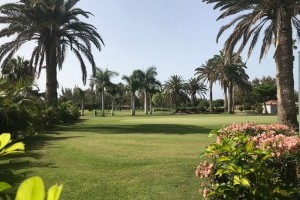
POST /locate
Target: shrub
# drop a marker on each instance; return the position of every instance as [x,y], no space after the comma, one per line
[32,188]
[251,161]
[50,117]
[68,112]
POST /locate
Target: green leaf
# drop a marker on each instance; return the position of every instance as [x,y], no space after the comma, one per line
[223,158]
[54,192]
[281,192]
[236,180]
[4,186]
[245,182]
[31,189]
[4,140]
[15,148]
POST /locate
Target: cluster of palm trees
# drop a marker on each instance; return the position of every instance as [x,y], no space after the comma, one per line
[230,74]
[139,80]
[54,25]
[275,20]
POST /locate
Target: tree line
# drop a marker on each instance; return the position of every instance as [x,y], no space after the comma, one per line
[55,26]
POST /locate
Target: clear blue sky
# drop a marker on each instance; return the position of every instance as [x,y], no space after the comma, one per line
[176,36]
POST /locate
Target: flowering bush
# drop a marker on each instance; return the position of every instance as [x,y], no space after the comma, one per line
[250,161]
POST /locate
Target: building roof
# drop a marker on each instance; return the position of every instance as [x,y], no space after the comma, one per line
[271,102]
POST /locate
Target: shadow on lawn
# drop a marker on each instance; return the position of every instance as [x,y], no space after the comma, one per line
[24,162]
[140,129]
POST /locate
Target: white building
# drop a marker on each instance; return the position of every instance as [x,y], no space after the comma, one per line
[271,107]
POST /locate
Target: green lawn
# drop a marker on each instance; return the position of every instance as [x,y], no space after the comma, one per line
[123,157]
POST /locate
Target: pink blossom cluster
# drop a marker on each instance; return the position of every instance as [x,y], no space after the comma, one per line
[204,170]
[251,129]
[278,144]
[205,192]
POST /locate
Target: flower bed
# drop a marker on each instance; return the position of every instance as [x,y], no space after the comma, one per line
[250,161]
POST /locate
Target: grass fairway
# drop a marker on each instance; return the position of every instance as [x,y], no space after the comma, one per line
[124,157]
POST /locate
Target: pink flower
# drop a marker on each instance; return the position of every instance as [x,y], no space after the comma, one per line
[204,170]
[205,192]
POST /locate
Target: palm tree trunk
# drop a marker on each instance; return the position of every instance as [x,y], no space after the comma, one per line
[145,102]
[132,104]
[112,107]
[51,74]
[193,99]
[102,101]
[150,104]
[284,71]
[82,106]
[230,97]
[210,97]
[225,99]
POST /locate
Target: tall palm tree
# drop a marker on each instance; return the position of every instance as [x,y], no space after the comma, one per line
[153,88]
[102,81]
[275,19]
[54,26]
[112,89]
[231,73]
[134,82]
[194,86]
[208,73]
[149,83]
[236,76]
[174,90]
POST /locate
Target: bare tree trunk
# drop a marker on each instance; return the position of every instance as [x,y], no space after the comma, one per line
[265,107]
[284,71]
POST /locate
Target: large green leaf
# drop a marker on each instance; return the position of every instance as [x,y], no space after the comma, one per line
[4,140]
[4,186]
[31,189]
[15,148]
[54,192]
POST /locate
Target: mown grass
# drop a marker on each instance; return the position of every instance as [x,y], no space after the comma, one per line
[124,157]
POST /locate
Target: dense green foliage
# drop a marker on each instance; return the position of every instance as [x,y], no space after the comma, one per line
[32,188]
[251,161]
[54,26]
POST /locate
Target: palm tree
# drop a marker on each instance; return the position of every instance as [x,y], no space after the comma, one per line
[194,86]
[18,68]
[208,73]
[153,88]
[149,83]
[102,81]
[275,19]
[80,93]
[121,91]
[54,26]
[134,82]
[112,89]
[231,73]
[174,90]
[236,76]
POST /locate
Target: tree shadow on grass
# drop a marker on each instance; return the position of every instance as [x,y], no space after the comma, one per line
[179,129]
[10,165]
